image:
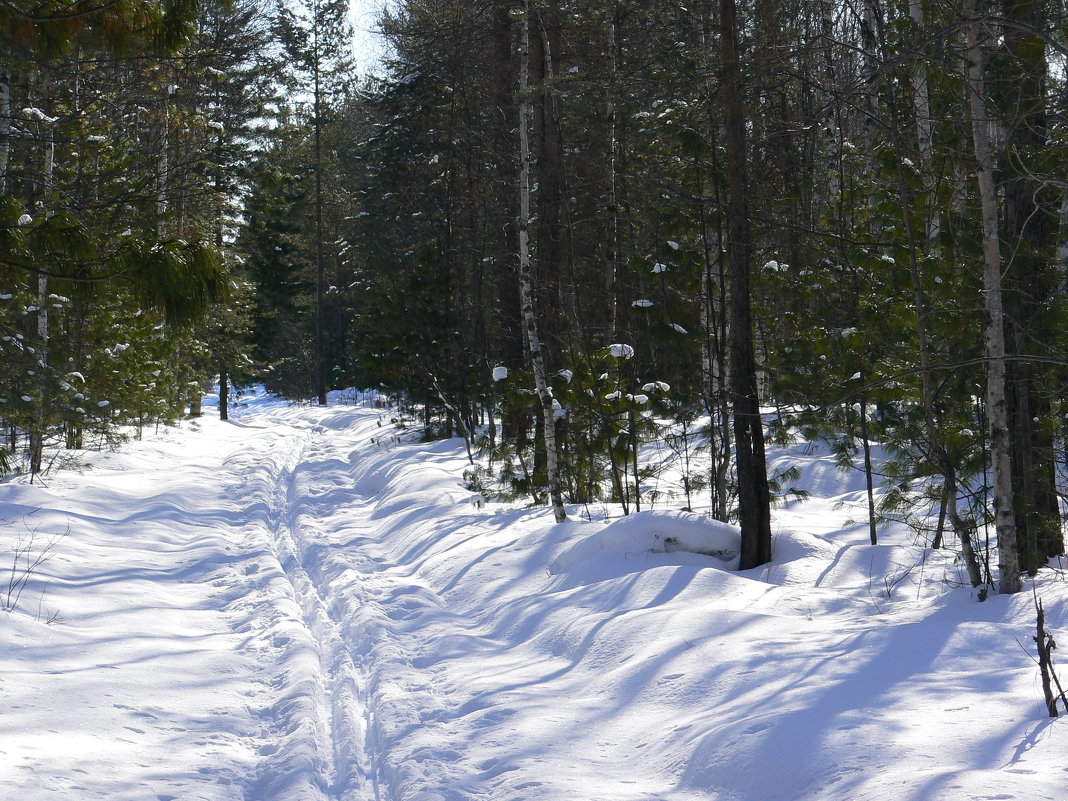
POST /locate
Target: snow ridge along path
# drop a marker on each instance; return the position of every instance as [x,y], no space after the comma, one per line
[299,606]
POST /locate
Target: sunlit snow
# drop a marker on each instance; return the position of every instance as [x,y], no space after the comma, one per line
[306,604]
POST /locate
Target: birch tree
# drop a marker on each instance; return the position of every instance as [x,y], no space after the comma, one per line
[994,334]
[526,284]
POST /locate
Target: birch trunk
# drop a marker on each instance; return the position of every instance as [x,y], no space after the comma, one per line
[1000,455]
[37,436]
[921,103]
[163,168]
[320,300]
[5,128]
[526,289]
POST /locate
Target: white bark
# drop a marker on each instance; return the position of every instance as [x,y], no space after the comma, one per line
[921,101]
[5,128]
[1005,523]
[163,170]
[42,279]
[526,290]
[921,94]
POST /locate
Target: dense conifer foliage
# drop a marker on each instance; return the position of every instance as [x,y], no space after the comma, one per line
[122,128]
[563,230]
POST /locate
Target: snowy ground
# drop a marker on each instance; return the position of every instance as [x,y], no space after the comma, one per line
[296,605]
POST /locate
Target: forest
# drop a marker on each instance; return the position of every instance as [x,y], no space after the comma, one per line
[561,230]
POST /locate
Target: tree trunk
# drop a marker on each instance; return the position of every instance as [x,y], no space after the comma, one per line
[163,168]
[37,436]
[1000,456]
[614,253]
[224,392]
[754,499]
[868,478]
[1030,217]
[526,289]
[5,128]
[548,165]
[320,305]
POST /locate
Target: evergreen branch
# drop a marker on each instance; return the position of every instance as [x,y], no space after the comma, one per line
[882,382]
[9,261]
[63,17]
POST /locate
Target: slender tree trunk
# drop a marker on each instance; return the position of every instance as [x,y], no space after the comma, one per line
[714,302]
[935,445]
[224,392]
[632,423]
[868,478]
[514,420]
[5,127]
[320,279]
[921,104]
[921,94]
[163,168]
[964,529]
[1029,221]
[196,401]
[526,289]
[1000,456]
[614,251]
[548,166]
[754,499]
[37,436]
[940,528]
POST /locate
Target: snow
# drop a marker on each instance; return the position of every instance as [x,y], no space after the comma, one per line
[303,605]
[36,114]
[500,373]
[636,542]
[621,351]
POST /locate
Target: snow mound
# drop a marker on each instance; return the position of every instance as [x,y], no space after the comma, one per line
[651,539]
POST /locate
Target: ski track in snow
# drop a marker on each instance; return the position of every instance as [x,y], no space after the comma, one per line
[359,631]
[321,725]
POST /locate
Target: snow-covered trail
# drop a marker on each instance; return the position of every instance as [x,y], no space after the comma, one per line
[313,741]
[299,606]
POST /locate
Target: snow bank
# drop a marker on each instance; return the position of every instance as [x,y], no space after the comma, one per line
[651,538]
